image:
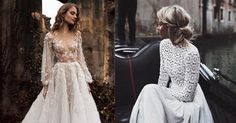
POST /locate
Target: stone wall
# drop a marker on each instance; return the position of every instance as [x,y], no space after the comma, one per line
[146,14]
[17,45]
[97,36]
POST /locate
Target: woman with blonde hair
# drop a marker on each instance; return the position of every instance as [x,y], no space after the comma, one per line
[65,97]
[177,98]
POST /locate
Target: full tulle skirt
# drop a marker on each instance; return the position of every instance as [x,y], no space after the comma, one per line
[68,99]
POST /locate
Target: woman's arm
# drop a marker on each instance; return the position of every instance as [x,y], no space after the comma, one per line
[163,77]
[47,59]
[82,61]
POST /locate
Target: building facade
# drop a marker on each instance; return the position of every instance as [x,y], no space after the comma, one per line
[208,16]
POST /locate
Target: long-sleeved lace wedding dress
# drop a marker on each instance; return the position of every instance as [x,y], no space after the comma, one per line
[68,99]
[183,101]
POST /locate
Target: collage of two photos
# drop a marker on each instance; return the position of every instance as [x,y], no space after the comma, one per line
[118,61]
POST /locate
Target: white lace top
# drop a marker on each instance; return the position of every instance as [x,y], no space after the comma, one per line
[55,51]
[181,65]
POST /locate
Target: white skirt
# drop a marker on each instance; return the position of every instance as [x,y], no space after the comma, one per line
[68,99]
[156,105]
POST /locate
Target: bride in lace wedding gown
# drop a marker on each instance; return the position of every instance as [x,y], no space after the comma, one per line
[66,96]
[183,101]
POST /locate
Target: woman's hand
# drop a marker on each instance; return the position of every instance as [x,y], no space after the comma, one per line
[45,91]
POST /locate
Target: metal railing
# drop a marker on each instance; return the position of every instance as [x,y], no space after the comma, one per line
[219,73]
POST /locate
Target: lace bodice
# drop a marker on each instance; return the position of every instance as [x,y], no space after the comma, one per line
[56,51]
[64,53]
[181,66]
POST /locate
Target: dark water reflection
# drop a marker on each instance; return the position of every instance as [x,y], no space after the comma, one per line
[219,52]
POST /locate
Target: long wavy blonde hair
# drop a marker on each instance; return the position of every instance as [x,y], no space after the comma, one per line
[177,20]
[59,19]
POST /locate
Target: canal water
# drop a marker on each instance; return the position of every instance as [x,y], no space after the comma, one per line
[219,52]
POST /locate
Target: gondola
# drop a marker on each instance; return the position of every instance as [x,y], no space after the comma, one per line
[138,66]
